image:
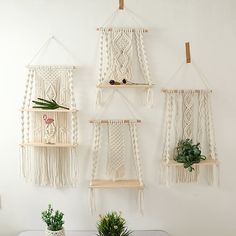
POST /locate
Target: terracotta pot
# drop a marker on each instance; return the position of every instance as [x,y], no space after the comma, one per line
[55,233]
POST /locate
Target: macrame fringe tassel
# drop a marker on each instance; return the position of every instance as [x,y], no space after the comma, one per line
[213,175]
[140,201]
[50,167]
[92,201]
[99,97]
[218,174]
[210,174]
[25,165]
[177,174]
[149,97]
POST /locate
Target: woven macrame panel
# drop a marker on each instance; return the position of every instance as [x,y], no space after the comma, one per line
[120,49]
[188,116]
[116,156]
[116,144]
[45,165]
[53,83]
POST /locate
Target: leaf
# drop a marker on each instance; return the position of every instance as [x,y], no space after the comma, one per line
[47,104]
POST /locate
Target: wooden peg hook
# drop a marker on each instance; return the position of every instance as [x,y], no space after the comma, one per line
[121,4]
[188,54]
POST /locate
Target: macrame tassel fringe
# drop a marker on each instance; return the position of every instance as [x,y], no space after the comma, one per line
[164,180]
[57,167]
[99,98]
[92,201]
[25,164]
[184,176]
[213,175]
[177,174]
[140,201]
[149,97]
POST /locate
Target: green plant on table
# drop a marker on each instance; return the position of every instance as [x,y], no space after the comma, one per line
[47,104]
[53,219]
[112,224]
[188,154]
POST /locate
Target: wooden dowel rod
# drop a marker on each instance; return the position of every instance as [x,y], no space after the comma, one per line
[107,121]
[117,29]
[121,4]
[188,55]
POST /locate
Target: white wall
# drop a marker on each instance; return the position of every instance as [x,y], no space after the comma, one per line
[186,210]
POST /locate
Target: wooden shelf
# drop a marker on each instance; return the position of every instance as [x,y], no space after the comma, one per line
[185,90]
[125,86]
[52,110]
[53,145]
[204,162]
[53,66]
[131,183]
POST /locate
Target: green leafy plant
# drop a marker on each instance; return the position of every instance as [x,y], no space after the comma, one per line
[188,154]
[112,224]
[47,104]
[54,220]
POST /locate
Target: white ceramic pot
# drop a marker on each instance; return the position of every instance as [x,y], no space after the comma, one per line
[55,233]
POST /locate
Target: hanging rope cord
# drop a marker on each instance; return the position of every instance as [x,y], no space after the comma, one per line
[127,12]
[47,44]
[108,101]
[202,76]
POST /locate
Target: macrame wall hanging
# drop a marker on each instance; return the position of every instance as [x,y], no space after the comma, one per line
[116,144]
[123,60]
[50,136]
[188,116]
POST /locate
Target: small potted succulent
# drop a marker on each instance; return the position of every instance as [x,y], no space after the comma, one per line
[112,224]
[54,221]
[188,154]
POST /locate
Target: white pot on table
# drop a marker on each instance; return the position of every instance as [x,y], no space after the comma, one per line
[55,233]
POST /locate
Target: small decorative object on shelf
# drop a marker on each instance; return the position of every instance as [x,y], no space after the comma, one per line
[50,129]
[54,221]
[124,82]
[188,154]
[47,104]
[112,224]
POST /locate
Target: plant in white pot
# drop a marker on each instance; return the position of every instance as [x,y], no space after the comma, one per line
[54,222]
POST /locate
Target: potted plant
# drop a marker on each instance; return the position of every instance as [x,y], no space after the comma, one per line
[112,224]
[54,221]
[188,154]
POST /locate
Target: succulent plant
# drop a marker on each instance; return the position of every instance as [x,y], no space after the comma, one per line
[54,220]
[112,224]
